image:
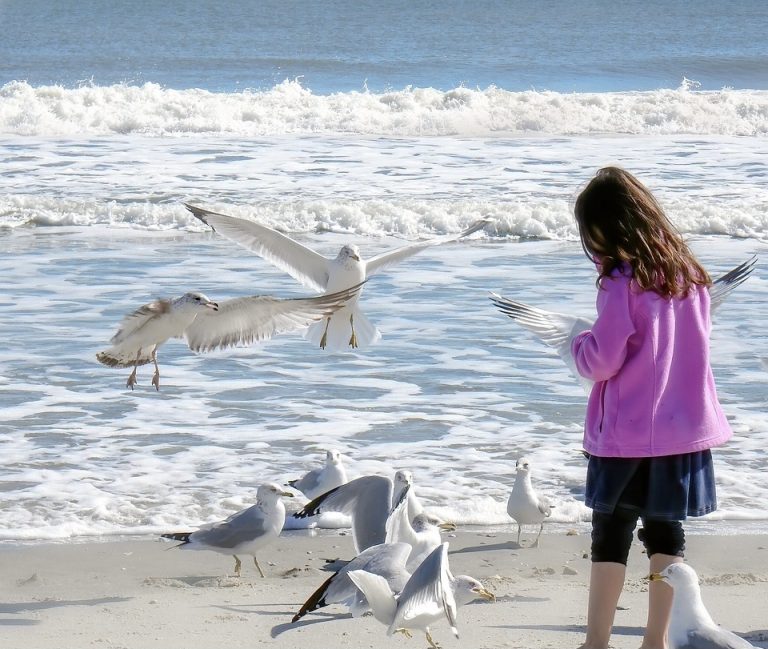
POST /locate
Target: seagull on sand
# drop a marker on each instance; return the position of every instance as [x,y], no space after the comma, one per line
[367,500]
[348,327]
[557,330]
[316,482]
[691,626]
[524,505]
[245,532]
[422,533]
[430,595]
[388,560]
[209,325]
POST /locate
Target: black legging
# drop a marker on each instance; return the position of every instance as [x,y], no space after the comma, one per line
[612,536]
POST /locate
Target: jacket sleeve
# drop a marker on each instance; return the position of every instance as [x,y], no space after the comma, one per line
[600,352]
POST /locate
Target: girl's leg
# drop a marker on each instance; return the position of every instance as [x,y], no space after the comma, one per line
[611,539]
[606,582]
[665,544]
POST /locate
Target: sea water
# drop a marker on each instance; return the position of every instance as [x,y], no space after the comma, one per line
[378,124]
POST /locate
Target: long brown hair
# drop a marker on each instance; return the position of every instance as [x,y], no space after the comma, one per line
[621,222]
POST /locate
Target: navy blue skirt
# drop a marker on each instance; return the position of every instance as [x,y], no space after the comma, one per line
[671,487]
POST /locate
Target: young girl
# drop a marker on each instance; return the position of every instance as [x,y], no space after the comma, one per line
[653,412]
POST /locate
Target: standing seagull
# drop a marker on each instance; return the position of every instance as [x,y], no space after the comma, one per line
[691,626]
[348,326]
[524,505]
[317,481]
[422,533]
[557,330]
[209,325]
[430,595]
[245,532]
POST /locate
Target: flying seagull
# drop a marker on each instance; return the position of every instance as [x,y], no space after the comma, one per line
[430,595]
[245,532]
[524,505]
[690,625]
[348,327]
[557,330]
[209,325]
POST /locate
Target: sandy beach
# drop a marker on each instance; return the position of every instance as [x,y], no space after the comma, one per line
[140,593]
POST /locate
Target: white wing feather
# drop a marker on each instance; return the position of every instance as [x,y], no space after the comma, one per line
[428,593]
[378,593]
[379,262]
[304,264]
[245,320]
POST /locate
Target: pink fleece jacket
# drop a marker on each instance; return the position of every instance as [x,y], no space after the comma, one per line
[654,392]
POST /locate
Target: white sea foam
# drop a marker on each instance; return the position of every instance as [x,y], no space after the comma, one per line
[454,392]
[409,187]
[289,108]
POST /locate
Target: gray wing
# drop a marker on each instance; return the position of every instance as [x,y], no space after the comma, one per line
[242,527]
[428,591]
[300,262]
[715,638]
[385,559]
[366,500]
[552,328]
[721,287]
[245,320]
[133,322]
[379,262]
[555,330]
[308,482]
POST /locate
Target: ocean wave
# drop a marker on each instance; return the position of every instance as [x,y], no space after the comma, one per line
[289,108]
[524,218]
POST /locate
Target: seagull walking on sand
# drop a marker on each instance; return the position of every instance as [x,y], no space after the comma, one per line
[388,560]
[430,595]
[245,532]
[316,482]
[557,330]
[348,327]
[691,626]
[524,505]
[209,325]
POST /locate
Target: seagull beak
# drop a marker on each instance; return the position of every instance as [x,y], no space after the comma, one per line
[213,305]
[287,494]
[655,576]
[447,527]
[486,595]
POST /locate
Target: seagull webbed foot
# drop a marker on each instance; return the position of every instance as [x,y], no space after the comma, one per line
[353,337]
[324,339]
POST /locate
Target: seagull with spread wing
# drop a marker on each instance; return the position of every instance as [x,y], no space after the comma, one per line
[209,325]
[557,330]
[348,327]
[430,595]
